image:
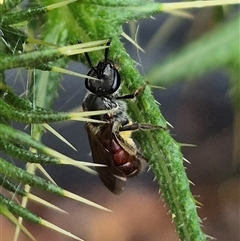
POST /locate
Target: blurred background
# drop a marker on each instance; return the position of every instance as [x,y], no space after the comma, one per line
[202,113]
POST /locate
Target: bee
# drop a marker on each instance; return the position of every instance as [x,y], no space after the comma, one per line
[111,142]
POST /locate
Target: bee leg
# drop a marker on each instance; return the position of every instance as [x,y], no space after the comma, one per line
[138,126]
[137,92]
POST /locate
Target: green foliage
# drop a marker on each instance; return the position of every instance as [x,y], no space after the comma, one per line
[88,20]
[205,54]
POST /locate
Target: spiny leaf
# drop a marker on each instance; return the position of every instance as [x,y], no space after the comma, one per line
[12,187]
[27,215]
[196,4]
[21,110]
[20,175]
[21,138]
[39,57]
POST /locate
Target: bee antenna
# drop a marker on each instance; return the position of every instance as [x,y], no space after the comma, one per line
[89,61]
[106,50]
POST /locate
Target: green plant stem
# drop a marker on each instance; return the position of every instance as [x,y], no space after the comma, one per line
[162,151]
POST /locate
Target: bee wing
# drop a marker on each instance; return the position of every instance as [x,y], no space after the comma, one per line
[113,178]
